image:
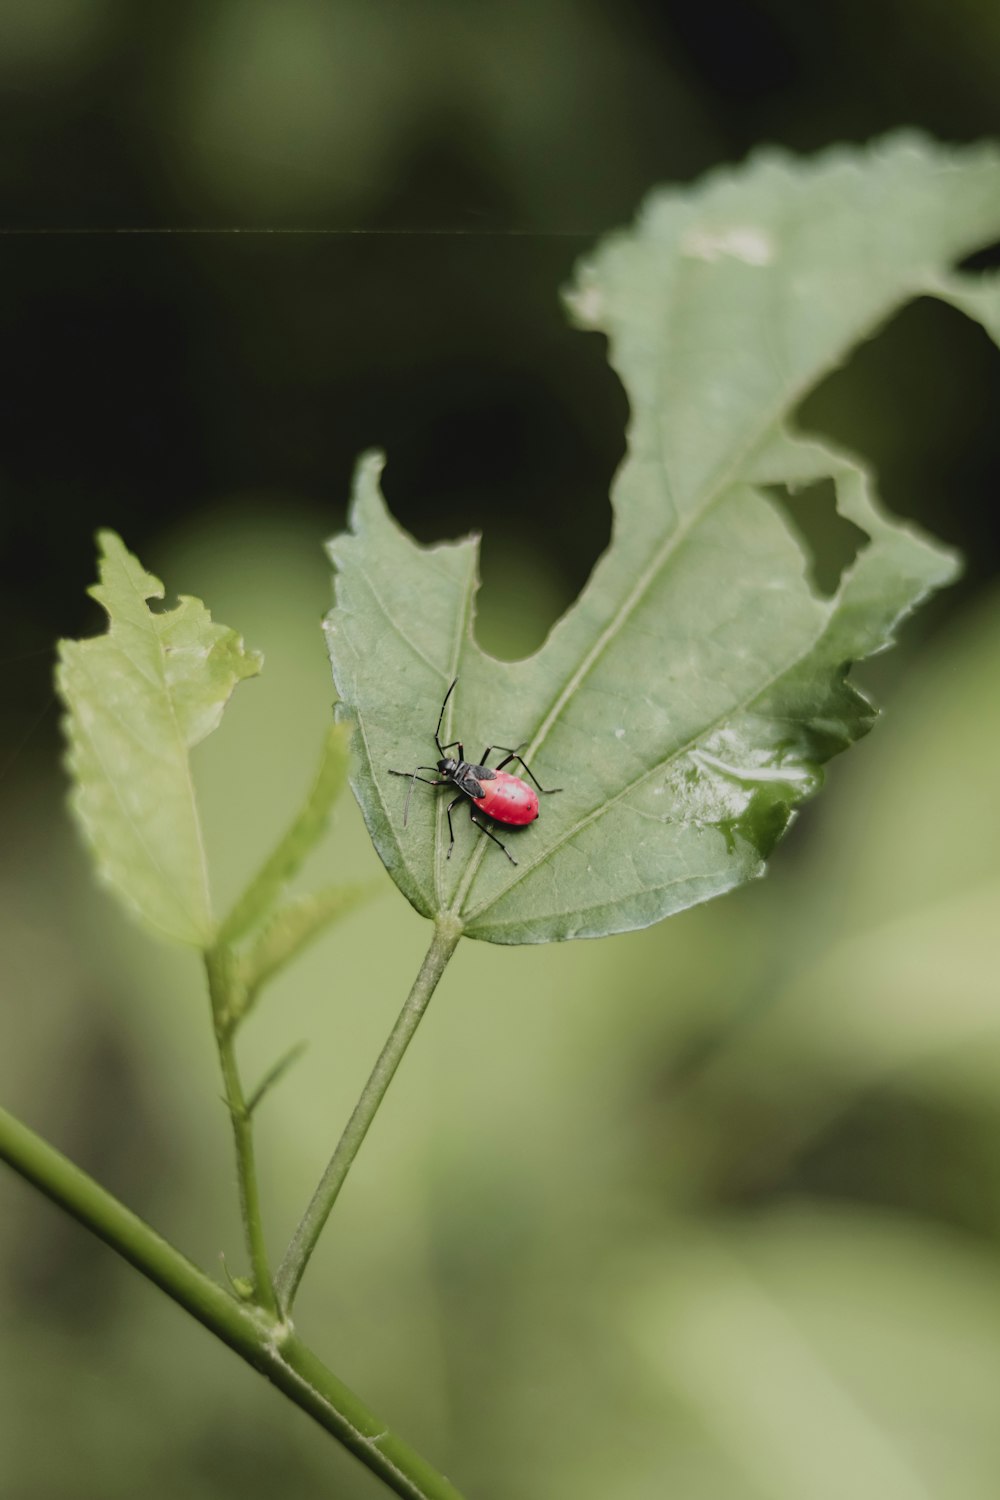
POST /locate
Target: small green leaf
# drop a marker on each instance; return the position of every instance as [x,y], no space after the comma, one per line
[295,924]
[689,698]
[305,831]
[137,700]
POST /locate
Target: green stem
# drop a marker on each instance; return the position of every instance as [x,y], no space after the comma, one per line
[225,1009]
[266,1343]
[446,935]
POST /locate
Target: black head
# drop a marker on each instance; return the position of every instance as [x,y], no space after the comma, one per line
[448,766]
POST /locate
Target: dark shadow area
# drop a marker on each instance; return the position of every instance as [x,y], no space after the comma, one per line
[987,259]
[830,541]
[919,403]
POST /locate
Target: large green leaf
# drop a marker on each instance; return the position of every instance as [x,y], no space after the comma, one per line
[137,700]
[688,699]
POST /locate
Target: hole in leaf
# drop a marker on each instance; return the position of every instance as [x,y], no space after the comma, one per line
[982,260]
[829,540]
[526,460]
[919,401]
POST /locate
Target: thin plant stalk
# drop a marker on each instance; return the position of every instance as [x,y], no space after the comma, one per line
[264,1341]
[225,1012]
[446,935]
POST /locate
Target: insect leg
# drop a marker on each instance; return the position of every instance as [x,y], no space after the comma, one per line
[483,829]
[453,803]
[513,755]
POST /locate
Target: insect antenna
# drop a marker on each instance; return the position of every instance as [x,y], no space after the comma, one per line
[411,777]
[409,794]
[437,732]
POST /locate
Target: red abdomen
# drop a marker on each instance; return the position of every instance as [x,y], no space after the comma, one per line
[508,799]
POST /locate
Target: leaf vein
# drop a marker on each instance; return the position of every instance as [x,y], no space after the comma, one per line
[598,812]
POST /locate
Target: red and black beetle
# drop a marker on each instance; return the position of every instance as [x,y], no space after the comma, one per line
[501,796]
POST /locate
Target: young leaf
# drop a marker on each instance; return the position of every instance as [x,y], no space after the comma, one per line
[137,699]
[688,699]
[291,928]
[307,828]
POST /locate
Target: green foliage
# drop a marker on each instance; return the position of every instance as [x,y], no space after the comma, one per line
[294,924]
[303,834]
[137,700]
[689,698]
[687,702]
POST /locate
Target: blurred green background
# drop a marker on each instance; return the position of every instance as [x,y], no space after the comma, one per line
[708,1212]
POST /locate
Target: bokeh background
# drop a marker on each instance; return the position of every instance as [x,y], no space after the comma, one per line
[707,1211]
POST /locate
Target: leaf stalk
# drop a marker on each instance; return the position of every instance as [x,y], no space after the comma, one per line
[447,932]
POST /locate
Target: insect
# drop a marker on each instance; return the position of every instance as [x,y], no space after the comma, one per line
[500,795]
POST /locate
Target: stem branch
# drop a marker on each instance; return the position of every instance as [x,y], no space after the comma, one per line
[225,1009]
[262,1340]
[292,1268]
